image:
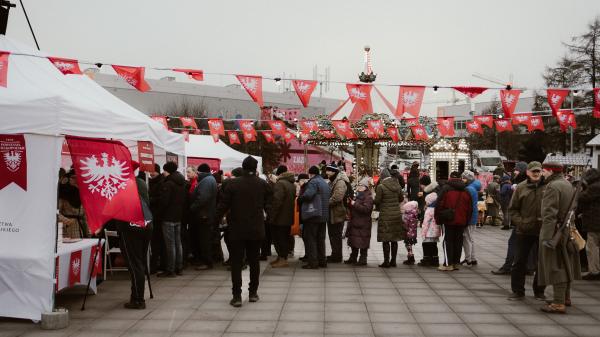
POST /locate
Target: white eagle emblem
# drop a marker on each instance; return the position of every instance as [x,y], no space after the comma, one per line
[562,118]
[358,94]
[419,131]
[302,87]
[555,99]
[251,84]
[248,135]
[277,126]
[484,119]
[409,98]
[376,125]
[215,125]
[76,266]
[446,123]
[63,65]
[13,160]
[522,119]
[342,126]
[129,79]
[106,177]
[509,99]
[535,121]
[233,136]
[473,125]
[502,124]
[247,126]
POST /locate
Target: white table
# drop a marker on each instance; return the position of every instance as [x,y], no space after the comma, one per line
[65,265]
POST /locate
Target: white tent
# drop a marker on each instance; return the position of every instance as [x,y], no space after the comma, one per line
[203,146]
[42,104]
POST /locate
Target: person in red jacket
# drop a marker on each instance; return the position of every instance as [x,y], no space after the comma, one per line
[453,211]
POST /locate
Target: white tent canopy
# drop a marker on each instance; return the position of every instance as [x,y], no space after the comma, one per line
[203,146]
[39,99]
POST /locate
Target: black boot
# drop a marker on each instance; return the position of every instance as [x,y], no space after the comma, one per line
[386,255]
[394,254]
[426,261]
[362,261]
[353,256]
[435,261]
[410,260]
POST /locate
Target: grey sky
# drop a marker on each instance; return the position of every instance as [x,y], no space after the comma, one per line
[414,42]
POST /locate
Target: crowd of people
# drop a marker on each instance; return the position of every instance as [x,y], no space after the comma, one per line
[252,213]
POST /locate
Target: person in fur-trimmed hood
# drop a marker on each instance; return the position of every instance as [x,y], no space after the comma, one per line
[359,226]
[430,233]
[410,217]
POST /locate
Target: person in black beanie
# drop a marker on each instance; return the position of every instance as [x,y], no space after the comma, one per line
[281,218]
[202,209]
[245,199]
[158,258]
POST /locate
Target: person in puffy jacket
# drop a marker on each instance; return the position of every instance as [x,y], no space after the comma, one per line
[282,214]
[473,187]
[430,233]
[359,226]
[390,229]
[410,218]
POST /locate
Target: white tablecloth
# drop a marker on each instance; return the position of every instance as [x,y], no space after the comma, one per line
[63,267]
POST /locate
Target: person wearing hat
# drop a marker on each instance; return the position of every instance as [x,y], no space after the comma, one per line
[282,214]
[390,228]
[203,202]
[526,215]
[359,226]
[245,200]
[520,173]
[473,187]
[560,265]
[338,182]
[314,214]
[158,257]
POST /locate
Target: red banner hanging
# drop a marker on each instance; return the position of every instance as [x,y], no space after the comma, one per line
[411,121]
[233,137]
[309,125]
[503,125]
[134,76]
[268,136]
[419,133]
[471,92]
[13,165]
[393,132]
[162,120]
[509,100]
[66,66]
[535,123]
[487,120]
[75,265]
[474,127]
[288,137]
[343,129]
[327,134]
[198,75]
[4,68]
[360,94]
[106,181]
[522,118]
[596,112]
[555,99]
[95,266]
[188,122]
[216,128]
[445,126]
[304,89]
[278,127]
[253,85]
[247,126]
[369,133]
[410,99]
[304,137]
[146,156]
[377,127]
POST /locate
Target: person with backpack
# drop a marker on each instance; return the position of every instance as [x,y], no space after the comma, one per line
[338,182]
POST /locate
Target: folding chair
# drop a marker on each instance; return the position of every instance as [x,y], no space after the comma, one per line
[110,250]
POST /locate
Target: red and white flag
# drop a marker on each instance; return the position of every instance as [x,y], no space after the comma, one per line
[162,120]
[234,138]
[304,89]
[146,156]
[410,99]
[4,68]
[13,161]
[503,125]
[369,133]
[247,126]
[134,76]
[343,129]
[288,136]
[216,128]
[596,112]
[309,125]
[393,132]
[95,267]
[509,100]
[419,133]
[196,74]
[411,121]
[188,122]
[471,92]
[445,126]
[106,181]
[474,127]
[75,265]
[535,123]
[377,126]
[186,135]
[555,99]
[268,135]
[278,127]
[521,118]
[253,85]
[360,94]
[487,120]
[304,137]
[566,119]
[327,134]
[66,66]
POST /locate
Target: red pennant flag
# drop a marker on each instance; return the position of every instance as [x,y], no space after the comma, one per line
[304,137]
[66,66]
[509,100]
[411,121]
[4,68]
[247,126]
[186,135]
[327,134]
[503,125]
[555,99]
[471,92]
[474,127]
[522,118]
[278,127]
[233,137]
[376,126]
[288,137]
[268,135]
[597,103]
[188,122]
[253,85]
[308,126]
[419,132]
[343,128]
[410,99]
[162,120]
[134,76]
[535,123]
[360,94]
[13,164]
[304,89]
[216,128]
[106,181]
[198,75]
[95,267]
[249,136]
[75,268]
[445,126]
[565,120]
[393,132]
[487,120]
[370,133]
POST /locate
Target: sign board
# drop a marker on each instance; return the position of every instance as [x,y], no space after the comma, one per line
[146,156]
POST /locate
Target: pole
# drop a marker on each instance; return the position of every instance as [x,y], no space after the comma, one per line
[29,23]
[92,270]
[571,127]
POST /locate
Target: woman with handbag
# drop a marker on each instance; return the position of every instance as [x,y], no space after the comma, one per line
[492,202]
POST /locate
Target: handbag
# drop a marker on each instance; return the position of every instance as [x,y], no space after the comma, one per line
[577,239]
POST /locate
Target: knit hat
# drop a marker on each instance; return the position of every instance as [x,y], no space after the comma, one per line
[385,173]
[156,168]
[302,176]
[552,166]
[281,169]
[250,164]
[332,168]
[454,175]
[505,178]
[521,167]
[204,168]
[534,165]
[470,176]
[364,182]
[237,172]
[410,206]
[170,167]
[313,170]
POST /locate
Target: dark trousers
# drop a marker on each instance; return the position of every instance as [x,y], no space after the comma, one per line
[205,242]
[335,239]
[239,249]
[355,251]
[314,237]
[281,239]
[430,250]
[265,249]
[524,246]
[453,240]
[134,243]
[158,256]
[510,254]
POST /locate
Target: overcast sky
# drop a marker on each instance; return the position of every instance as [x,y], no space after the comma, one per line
[413,42]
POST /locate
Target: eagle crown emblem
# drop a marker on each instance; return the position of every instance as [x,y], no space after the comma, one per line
[106,176]
[250,83]
[303,87]
[63,65]
[555,99]
[409,98]
[13,160]
[358,94]
[509,99]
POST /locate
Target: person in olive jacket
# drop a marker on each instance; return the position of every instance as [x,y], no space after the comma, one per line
[525,211]
[338,183]
[560,265]
[588,207]
[390,229]
[282,214]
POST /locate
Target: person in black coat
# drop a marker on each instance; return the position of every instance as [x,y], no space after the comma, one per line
[245,200]
[203,214]
[158,256]
[413,185]
[588,209]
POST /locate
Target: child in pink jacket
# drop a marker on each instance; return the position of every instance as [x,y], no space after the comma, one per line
[410,217]
[430,233]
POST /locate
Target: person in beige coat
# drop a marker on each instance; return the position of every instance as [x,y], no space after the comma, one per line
[337,211]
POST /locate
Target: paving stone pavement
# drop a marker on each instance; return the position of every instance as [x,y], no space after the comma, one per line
[337,301]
